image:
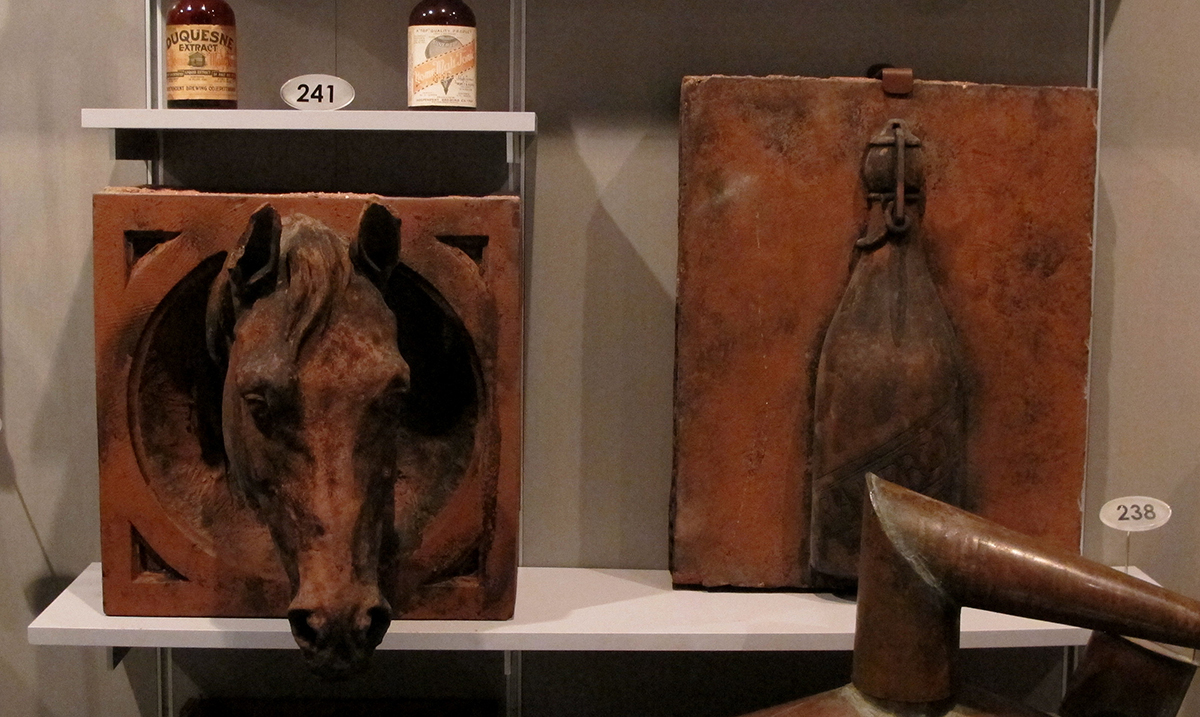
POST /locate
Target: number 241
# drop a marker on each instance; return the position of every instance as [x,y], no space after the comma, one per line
[315,94]
[1136,512]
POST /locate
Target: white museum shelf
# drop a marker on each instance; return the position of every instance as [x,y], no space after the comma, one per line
[352,120]
[557,609]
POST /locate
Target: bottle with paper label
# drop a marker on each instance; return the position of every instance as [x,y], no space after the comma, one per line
[441,55]
[200,55]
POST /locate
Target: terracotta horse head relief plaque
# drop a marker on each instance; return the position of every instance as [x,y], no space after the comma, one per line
[313,412]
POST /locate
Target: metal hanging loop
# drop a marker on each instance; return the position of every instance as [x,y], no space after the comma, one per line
[892,174]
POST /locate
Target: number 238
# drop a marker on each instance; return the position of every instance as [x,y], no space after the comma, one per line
[1136,512]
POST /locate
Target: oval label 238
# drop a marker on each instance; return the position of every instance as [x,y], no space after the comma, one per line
[1135,513]
[317,92]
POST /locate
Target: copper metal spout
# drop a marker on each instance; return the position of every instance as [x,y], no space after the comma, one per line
[922,560]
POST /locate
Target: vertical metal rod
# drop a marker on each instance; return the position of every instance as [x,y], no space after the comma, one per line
[520,145]
[516,55]
[158,174]
[154,92]
[899,210]
[512,683]
[149,18]
[516,93]
[1091,52]
[1097,16]
[154,58]
[150,52]
[1069,662]
[166,692]
[1127,534]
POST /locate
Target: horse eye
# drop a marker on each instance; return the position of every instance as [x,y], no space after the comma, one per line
[260,410]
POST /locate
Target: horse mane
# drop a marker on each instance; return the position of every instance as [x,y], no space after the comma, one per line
[315,268]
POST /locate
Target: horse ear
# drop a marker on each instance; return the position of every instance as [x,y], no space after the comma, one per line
[255,264]
[249,274]
[377,250]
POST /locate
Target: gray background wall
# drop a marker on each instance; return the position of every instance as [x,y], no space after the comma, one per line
[604,78]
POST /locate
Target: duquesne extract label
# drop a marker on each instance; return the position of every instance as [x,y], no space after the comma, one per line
[201,62]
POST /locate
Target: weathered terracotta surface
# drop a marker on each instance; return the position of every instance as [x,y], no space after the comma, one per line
[176,540]
[771,203]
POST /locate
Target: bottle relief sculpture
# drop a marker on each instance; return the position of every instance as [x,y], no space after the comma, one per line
[831,320]
[889,391]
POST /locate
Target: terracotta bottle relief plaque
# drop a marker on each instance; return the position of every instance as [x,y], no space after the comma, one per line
[179,538]
[772,203]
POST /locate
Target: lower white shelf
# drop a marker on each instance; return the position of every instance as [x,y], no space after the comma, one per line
[557,609]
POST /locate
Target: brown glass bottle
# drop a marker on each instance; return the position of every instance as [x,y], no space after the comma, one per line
[441,55]
[200,55]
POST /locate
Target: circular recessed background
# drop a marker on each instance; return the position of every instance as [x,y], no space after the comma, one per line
[175,392]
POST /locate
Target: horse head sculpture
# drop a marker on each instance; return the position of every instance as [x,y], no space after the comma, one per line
[313,418]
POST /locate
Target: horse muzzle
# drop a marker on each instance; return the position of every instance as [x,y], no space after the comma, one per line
[337,642]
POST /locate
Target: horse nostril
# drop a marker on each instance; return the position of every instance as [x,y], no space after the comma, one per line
[381,619]
[302,628]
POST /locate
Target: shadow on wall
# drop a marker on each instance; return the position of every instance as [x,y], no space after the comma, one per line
[1099,391]
[63,440]
[63,436]
[43,129]
[628,359]
[613,58]
[1111,7]
[599,394]
[47,449]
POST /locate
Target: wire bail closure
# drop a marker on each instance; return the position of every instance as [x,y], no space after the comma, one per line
[892,173]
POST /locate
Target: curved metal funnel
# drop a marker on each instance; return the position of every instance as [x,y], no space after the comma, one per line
[922,560]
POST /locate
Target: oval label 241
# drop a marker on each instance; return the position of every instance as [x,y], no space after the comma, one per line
[1135,513]
[317,92]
